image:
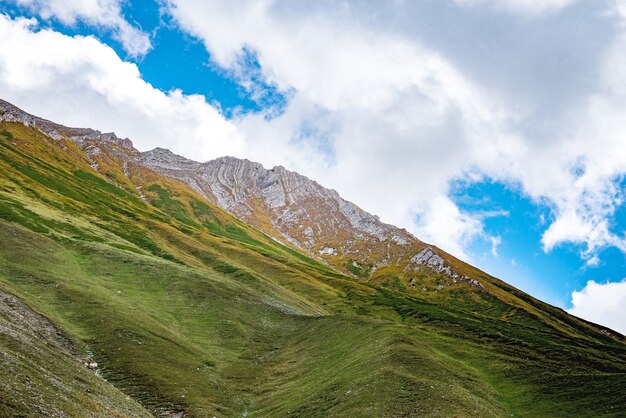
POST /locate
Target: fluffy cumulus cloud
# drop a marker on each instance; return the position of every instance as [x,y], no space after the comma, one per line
[378,116]
[587,196]
[602,303]
[443,222]
[402,112]
[102,13]
[79,81]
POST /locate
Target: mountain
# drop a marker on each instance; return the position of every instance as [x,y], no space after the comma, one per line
[292,209]
[299,212]
[126,290]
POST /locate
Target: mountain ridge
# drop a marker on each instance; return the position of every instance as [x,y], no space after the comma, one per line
[190,311]
[407,268]
[12,113]
[237,184]
[296,209]
[252,193]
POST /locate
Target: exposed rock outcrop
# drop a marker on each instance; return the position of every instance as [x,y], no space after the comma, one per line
[285,205]
[429,258]
[11,113]
[288,206]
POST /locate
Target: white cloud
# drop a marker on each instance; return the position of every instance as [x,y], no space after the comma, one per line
[604,304]
[444,225]
[101,13]
[79,81]
[398,121]
[401,120]
[495,243]
[520,6]
[375,112]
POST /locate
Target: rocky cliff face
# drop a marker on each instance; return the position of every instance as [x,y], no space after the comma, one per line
[300,212]
[11,113]
[285,205]
[292,209]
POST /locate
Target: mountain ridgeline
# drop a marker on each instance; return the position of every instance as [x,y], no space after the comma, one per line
[293,209]
[299,212]
[147,284]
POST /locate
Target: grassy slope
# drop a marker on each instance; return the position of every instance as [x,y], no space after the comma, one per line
[42,374]
[186,308]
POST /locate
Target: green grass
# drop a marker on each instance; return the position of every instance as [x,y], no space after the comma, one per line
[209,344]
[187,309]
[6,134]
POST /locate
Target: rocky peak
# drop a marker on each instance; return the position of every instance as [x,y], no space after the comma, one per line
[284,204]
[11,113]
[166,159]
[94,135]
[290,207]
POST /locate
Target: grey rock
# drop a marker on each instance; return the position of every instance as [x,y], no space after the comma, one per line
[429,258]
[11,113]
[303,212]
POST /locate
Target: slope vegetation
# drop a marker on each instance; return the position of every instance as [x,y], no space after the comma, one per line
[186,309]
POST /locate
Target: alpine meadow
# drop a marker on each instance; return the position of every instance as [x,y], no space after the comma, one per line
[312,209]
[128,293]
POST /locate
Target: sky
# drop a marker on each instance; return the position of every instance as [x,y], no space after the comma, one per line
[494,129]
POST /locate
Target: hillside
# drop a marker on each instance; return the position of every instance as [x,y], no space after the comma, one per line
[293,209]
[189,310]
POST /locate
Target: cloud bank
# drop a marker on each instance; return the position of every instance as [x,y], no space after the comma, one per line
[602,303]
[101,13]
[78,81]
[402,119]
[520,6]
[380,107]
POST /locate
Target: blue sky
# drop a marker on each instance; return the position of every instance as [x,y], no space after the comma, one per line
[490,128]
